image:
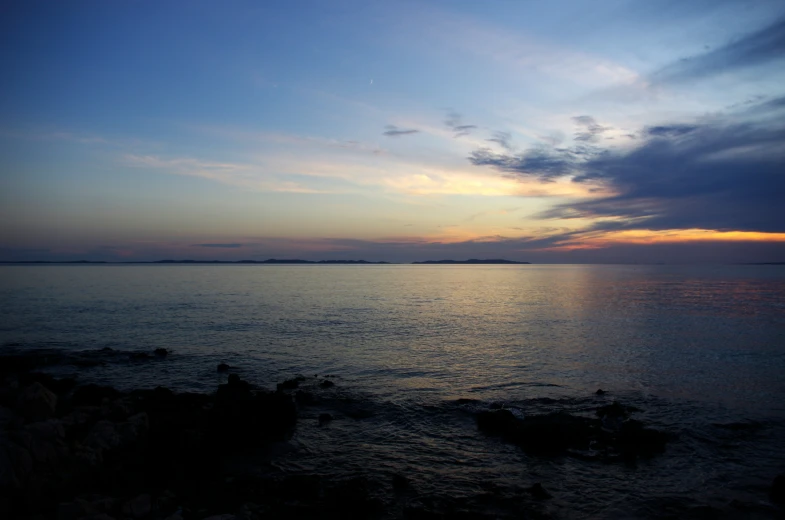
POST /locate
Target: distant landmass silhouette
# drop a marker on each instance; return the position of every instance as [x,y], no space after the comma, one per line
[471,261]
[268,261]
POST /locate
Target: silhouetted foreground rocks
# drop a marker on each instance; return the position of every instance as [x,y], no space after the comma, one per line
[95,452]
[92,452]
[613,435]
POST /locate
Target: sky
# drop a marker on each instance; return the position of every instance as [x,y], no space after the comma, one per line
[561,131]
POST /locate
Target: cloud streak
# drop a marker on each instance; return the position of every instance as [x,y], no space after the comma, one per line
[762,46]
[220,246]
[455,123]
[394,131]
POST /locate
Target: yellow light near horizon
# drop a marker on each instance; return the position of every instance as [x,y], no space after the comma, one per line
[643,236]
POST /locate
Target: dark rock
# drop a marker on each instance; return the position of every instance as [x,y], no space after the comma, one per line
[103,435]
[16,464]
[496,405]
[305,398]
[399,483]
[326,384]
[615,409]
[324,418]
[223,367]
[552,433]
[562,433]
[70,511]
[299,487]
[357,413]
[93,395]
[539,492]
[241,418]
[58,386]
[352,499]
[36,403]
[777,491]
[749,426]
[161,352]
[44,440]
[600,392]
[290,384]
[139,507]
[635,439]
[497,422]
[139,356]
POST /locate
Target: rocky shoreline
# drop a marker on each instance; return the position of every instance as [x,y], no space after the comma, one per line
[82,451]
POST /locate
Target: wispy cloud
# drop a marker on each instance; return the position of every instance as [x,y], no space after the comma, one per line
[394,131]
[502,139]
[455,123]
[589,130]
[765,45]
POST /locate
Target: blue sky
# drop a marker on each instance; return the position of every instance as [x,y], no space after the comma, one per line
[561,131]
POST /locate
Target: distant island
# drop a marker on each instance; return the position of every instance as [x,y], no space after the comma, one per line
[211,262]
[471,261]
[284,261]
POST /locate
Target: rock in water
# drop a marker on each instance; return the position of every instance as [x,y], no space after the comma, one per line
[37,403]
[539,492]
[241,418]
[223,367]
[161,352]
[497,422]
[777,491]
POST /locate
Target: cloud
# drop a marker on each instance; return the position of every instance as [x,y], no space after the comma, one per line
[589,130]
[544,164]
[718,176]
[756,48]
[222,246]
[502,139]
[454,122]
[394,131]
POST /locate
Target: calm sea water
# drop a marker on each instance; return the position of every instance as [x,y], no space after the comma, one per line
[691,346]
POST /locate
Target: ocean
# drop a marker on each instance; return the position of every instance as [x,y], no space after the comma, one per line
[416,351]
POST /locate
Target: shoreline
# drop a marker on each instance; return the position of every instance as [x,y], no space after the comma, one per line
[74,451]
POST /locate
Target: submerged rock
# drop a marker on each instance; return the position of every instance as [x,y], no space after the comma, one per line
[777,491]
[561,433]
[539,492]
[399,483]
[290,384]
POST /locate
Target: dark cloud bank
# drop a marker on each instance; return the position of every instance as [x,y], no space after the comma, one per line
[720,175]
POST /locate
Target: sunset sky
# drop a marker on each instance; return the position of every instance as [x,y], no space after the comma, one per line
[564,131]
